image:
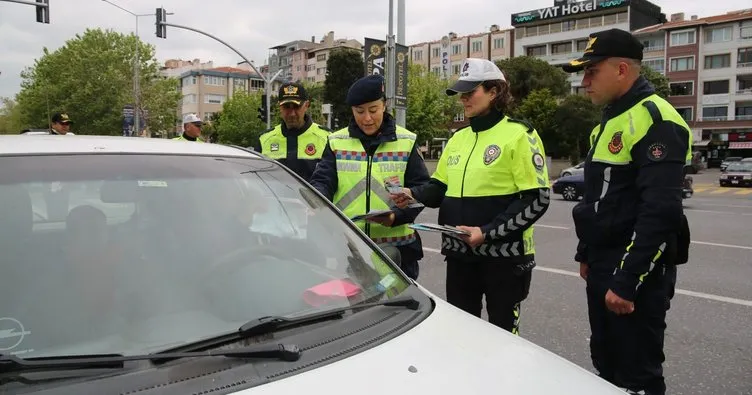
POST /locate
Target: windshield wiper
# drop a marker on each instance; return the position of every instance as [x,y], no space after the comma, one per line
[263,325]
[12,363]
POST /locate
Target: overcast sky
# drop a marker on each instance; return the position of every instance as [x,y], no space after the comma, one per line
[254,26]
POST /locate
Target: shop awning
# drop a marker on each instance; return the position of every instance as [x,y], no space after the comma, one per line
[701,143]
[740,145]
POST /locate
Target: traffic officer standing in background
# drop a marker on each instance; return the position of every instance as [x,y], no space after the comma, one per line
[191,129]
[359,158]
[491,181]
[297,142]
[630,223]
[60,124]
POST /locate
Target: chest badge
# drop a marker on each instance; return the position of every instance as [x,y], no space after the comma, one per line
[274,147]
[492,152]
[615,145]
[310,149]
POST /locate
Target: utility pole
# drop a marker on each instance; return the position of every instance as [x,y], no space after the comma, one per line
[401,117]
[162,33]
[136,71]
[390,60]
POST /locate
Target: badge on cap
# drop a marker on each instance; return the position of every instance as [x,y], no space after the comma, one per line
[615,145]
[492,152]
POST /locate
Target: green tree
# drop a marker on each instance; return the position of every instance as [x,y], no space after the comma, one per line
[658,80]
[10,116]
[91,78]
[429,109]
[538,109]
[527,74]
[238,121]
[343,68]
[575,118]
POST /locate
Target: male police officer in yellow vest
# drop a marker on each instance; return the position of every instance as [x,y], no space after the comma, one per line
[297,142]
[191,129]
[357,161]
[630,224]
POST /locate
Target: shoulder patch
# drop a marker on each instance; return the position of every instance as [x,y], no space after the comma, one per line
[527,124]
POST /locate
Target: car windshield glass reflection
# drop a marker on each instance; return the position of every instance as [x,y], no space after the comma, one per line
[107,254]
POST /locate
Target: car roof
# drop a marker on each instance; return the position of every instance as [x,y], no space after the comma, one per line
[52,144]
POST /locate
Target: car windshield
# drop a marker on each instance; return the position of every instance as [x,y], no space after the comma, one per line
[741,167]
[132,254]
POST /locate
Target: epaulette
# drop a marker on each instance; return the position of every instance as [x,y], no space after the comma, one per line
[268,130]
[324,127]
[529,126]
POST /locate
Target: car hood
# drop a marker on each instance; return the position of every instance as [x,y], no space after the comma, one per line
[450,352]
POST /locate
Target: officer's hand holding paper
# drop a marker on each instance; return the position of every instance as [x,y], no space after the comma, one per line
[373,215]
[401,197]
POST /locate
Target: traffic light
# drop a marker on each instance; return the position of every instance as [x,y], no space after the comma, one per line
[43,11]
[263,109]
[161,19]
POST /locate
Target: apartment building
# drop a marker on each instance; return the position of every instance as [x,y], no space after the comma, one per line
[205,91]
[173,68]
[559,33]
[709,65]
[306,60]
[496,44]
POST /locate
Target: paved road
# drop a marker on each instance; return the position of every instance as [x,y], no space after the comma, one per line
[708,340]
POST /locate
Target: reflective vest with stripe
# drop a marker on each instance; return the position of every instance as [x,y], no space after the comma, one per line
[181,137]
[311,143]
[360,187]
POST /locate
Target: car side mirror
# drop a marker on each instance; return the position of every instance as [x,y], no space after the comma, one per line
[393,253]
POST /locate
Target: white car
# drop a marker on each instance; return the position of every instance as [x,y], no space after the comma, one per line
[182,267]
[574,170]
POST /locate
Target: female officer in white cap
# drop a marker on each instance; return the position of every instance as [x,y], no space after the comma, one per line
[491,182]
[359,159]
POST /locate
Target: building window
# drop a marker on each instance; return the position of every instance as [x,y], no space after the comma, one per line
[743,113]
[567,26]
[714,113]
[321,71]
[715,87]
[321,57]
[208,116]
[622,17]
[685,112]
[436,52]
[582,23]
[531,31]
[561,48]
[456,49]
[718,61]
[187,99]
[498,43]
[214,80]
[257,84]
[455,69]
[686,37]
[683,64]
[653,44]
[418,55]
[189,81]
[744,57]
[656,64]
[681,88]
[581,45]
[718,35]
[536,51]
[746,29]
[437,70]
[580,90]
[609,19]
[477,46]
[555,27]
[214,99]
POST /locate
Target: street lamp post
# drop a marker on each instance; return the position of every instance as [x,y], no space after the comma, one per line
[136,71]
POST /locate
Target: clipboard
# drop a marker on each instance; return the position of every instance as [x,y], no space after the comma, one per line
[445,229]
[370,214]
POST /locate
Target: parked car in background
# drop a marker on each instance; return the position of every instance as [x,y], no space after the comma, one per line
[729,160]
[35,131]
[573,187]
[570,171]
[738,174]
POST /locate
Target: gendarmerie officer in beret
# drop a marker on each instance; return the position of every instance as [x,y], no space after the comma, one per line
[359,159]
